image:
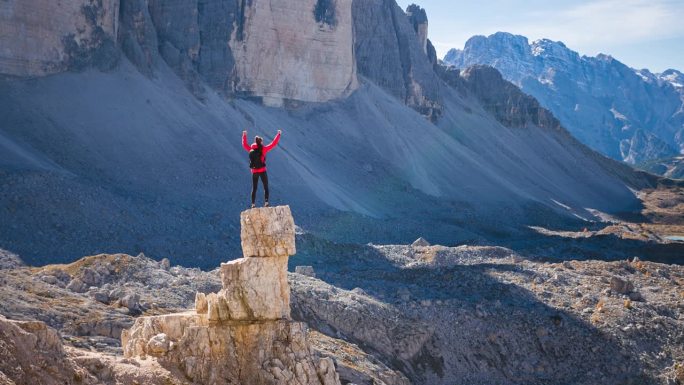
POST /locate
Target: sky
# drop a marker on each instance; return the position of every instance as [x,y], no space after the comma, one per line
[640,33]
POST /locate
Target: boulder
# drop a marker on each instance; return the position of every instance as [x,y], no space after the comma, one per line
[77,286]
[420,242]
[267,232]
[253,289]
[32,353]
[620,286]
[131,302]
[90,277]
[49,279]
[306,270]
[165,264]
[101,296]
[357,316]
[158,345]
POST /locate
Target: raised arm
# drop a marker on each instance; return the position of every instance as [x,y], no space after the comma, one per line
[245,145]
[274,143]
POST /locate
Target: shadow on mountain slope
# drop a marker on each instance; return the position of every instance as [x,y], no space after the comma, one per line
[118,162]
[487,325]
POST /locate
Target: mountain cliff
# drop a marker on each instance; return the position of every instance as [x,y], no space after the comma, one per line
[630,115]
[139,149]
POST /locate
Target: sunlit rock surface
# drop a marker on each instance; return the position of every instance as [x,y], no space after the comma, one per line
[242,334]
[295,50]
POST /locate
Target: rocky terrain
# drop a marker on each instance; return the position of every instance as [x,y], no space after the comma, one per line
[627,114]
[242,334]
[416,314]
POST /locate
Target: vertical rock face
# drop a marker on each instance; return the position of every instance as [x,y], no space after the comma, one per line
[42,37]
[242,334]
[418,19]
[276,50]
[137,35]
[300,50]
[390,53]
[273,50]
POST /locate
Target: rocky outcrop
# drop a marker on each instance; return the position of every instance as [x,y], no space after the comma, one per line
[267,232]
[504,100]
[253,289]
[44,37]
[391,53]
[242,334]
[9,260]
[354,365]
[32,353]
[402,342]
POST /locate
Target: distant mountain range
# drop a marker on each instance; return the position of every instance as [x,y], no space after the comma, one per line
[631,115]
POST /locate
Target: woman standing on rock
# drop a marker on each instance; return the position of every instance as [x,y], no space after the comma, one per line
[257,162]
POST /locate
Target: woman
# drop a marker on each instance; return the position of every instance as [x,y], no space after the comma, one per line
[257,162]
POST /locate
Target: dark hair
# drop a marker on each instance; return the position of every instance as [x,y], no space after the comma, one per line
[258,141]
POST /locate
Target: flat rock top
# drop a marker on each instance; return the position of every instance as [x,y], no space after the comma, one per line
[267,232]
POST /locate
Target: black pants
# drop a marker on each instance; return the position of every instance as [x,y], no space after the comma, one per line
[255,184]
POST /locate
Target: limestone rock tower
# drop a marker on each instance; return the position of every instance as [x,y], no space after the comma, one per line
[243,334]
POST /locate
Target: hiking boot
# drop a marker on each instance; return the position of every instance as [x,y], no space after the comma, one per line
[266,204]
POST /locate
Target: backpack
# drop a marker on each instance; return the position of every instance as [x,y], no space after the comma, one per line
[255,159]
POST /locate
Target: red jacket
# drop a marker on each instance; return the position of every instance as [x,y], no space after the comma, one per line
[264,150]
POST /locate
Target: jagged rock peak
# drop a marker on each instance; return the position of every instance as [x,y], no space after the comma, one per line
[674,77]
[390,53]
[416,14]
[517,42]
[242,334]
[587,94]
[419,20]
